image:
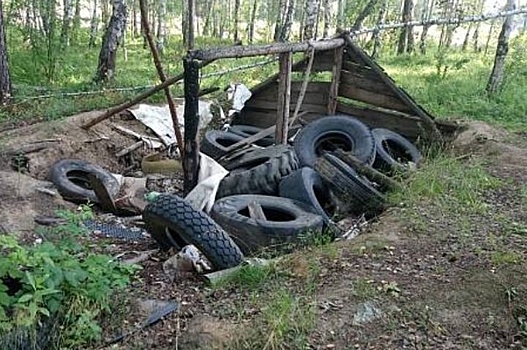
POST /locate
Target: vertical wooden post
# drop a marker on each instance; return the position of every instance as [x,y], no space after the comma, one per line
[284,97]
[335,81]
[191,154]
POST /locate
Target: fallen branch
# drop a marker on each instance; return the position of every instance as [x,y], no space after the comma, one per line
[303,88]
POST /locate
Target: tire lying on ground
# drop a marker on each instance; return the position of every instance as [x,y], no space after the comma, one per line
[215,142]
[286,221]
[70,176]
[393,151]
[172,221]
[249,130]
[258,171]
[306,185]
[330,133]
[349,186]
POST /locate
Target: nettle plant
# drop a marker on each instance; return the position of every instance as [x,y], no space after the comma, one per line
[43,280]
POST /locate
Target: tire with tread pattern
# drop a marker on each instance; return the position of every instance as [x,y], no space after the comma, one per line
[349,186]
[258,171]
[171,213]
[215,142]
[328,133]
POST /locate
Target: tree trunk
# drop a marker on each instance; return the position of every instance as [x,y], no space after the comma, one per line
[341,11]
[377,43]
[311,19]
[208,20]
[425,16]
[105,13]
[279,22]
[135,27]
[327,18]
[236,20]
[288,21]
[94,25]
[190,24]
[496,77]
[491,30]
[112,39]
[76,23]
[406,38]
[5,80]
[251,22]
[467,38]
[66,22]
[366,11]
[161,26]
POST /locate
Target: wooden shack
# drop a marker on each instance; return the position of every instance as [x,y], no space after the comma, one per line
[334,77]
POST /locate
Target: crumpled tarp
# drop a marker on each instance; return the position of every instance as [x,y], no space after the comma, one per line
[239,94]
[158,119]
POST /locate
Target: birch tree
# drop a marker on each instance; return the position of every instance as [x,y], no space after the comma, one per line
[161,26]
[496,77]
[111,41]
[5,80]
[250,28]
[406,38]
[376,36]
[66,21]
[236,20]
[94,25]
[366,12]
[311,19]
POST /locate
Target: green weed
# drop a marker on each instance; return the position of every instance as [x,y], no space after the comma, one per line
[505,258]
[248,277]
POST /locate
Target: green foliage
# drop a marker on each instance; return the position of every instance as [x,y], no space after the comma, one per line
[449,183]
[57,280]
[248,277]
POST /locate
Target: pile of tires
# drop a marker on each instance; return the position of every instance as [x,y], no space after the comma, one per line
[276,194]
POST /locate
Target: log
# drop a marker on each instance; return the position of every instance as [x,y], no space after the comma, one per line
[161,74]
[105,199]
[335,81]
[129,149]
[270,49]
[191,154]
[284,98]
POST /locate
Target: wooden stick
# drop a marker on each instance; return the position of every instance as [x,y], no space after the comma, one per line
[105,199]
[114,110]
[367,171]
[129,149]
[191,155]
[284,98]
[162,76]
[256,211]
[303,88]
[270,49]
[335,81]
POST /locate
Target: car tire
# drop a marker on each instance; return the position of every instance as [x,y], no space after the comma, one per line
[328,133]
[185,225]
[249,130]
[215,143]
[287,221]
[70,176]
[393,151]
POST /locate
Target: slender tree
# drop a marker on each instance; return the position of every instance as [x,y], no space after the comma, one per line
[111,41]
[496,77]
[311,19]
[428,9]
[280,18]
[236,20]
[5,80]
[250,28]
[406,38]
[327,17]
[366,11]
[341,10]
[288,21]
[161,26]
[94,25]
[377,42]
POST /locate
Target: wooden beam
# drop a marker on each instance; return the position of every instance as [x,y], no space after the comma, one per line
[270,49]
[191,154]
[335,81]
[284,98]
[303,89]
[376,98]
[161,74]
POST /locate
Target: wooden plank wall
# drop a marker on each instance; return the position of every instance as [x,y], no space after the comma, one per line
[362,93]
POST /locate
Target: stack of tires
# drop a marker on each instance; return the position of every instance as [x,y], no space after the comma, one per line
[276,194]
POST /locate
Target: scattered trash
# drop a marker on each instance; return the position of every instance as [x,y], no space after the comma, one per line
[188,260]
[116,231]
[239,94]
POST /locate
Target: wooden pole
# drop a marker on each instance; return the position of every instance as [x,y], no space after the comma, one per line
[114,110]
[335,81]
[162,76]
[270,49]
[303,88]
[284,98]
[191,154]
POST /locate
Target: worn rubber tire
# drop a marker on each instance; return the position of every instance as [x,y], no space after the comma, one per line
[349,133]
[70,178]
[253,235]
[350,187]
[215,142]
[249,130]
[306,185]
[188,226]
[258,171]
[386,143]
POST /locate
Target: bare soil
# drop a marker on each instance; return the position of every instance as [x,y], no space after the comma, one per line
[432,283]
